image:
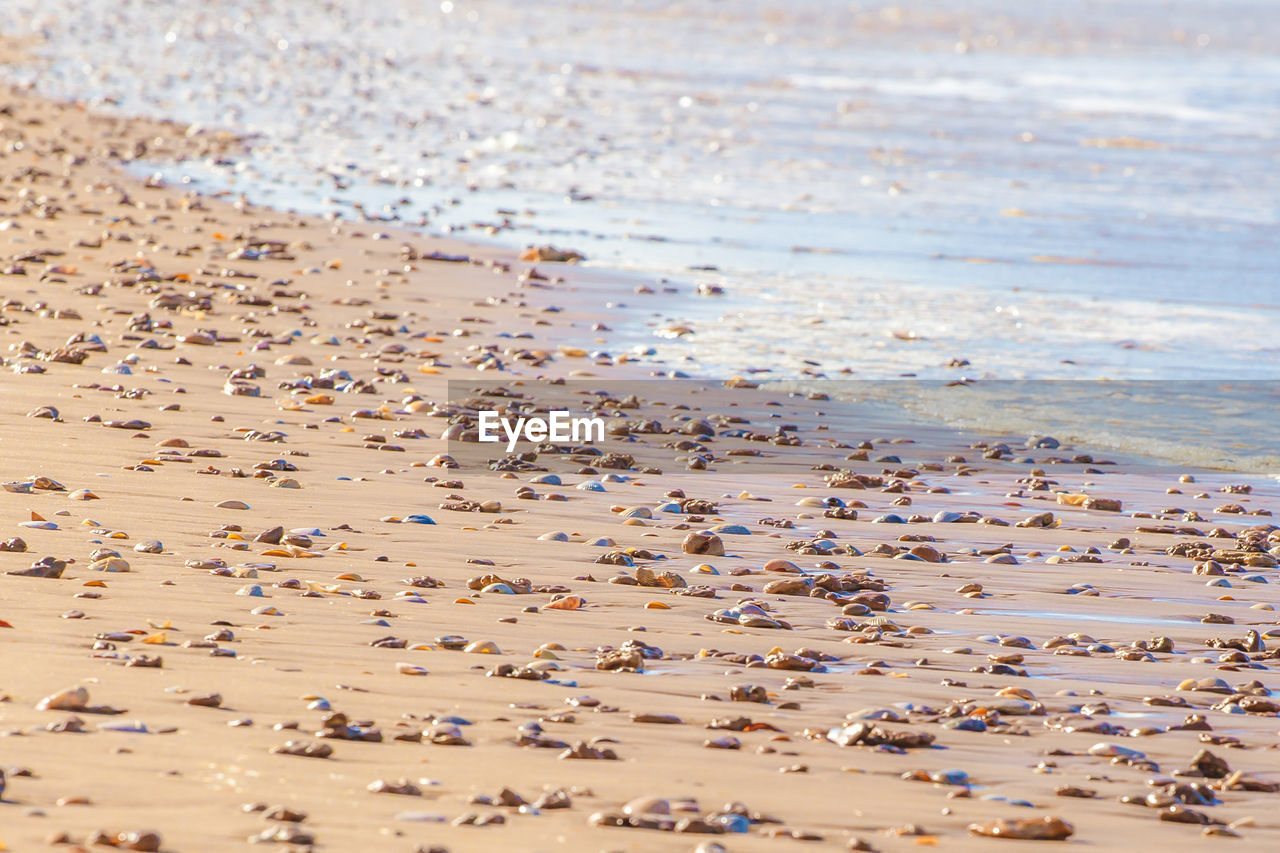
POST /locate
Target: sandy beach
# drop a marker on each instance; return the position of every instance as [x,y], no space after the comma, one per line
[257,585]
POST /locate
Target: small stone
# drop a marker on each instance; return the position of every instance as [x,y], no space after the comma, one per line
[402,787]
[46,567]
[708,544]
[411,669]
[1209,765]
[110,564]
[659,719]
[14,545]
[647,806]
[71,699]
[1044,828]
[302,748]
[140,840]
[287,834]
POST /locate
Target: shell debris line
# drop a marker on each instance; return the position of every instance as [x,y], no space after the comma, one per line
[243,500]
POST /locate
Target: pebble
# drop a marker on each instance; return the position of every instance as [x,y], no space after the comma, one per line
[707,544]
[862,603]
[70,699]
[283,835]
[1026,829]
[403,787]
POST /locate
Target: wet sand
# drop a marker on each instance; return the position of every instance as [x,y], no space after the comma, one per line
[960,658]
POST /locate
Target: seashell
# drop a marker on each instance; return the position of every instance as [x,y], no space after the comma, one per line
[410,669]
[71,699]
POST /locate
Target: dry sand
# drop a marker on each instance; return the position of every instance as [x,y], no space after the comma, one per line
[88,252]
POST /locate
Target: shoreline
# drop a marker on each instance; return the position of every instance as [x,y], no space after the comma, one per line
[731,332]
[1016,243]
[285,633]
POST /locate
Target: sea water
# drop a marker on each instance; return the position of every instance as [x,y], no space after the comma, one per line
[1055,190]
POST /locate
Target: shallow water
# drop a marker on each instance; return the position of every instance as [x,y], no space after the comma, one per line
[1076,616]
[1222,424]
[1044,190]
